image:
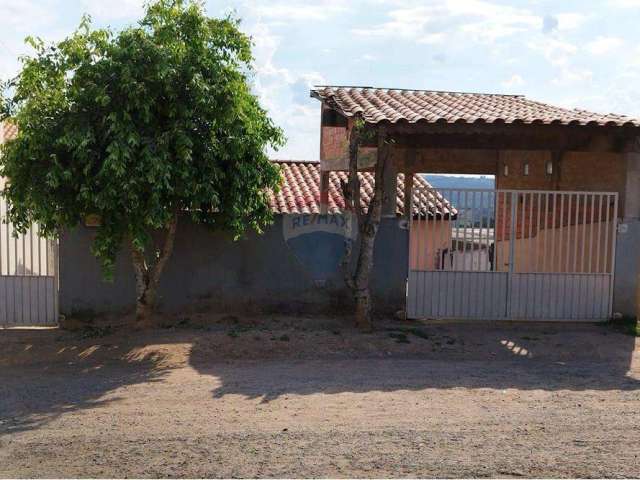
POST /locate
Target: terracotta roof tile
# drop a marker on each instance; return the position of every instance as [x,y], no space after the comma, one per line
[7,131]
[388,105]
[300,191]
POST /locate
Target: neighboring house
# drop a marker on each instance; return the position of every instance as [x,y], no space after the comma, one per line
[300,194]
[7,132]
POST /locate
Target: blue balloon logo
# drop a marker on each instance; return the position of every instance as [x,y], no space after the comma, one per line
[318,241]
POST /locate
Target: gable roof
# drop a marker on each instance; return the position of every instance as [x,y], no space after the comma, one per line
[378,105]
[300,191]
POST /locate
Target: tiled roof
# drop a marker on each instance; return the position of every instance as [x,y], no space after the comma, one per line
[389,105]
[7,131]
[300,191]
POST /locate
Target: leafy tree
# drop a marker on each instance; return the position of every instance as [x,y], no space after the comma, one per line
[135,128]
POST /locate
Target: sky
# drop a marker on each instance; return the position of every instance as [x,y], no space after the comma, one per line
[582,54]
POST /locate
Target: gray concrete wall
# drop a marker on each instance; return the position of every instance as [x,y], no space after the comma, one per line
[628,241]
[627,261]
[210,272]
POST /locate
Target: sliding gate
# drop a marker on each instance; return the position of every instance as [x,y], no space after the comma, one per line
[512,254]
[28,279]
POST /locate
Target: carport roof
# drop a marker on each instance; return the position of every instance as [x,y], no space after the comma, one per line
[378,105]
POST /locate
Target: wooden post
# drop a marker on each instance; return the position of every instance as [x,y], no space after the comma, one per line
[390,199]
[324,192]
[408,196]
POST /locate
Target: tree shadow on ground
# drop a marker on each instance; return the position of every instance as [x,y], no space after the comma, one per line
[43,377]
[46,374]
[484,355]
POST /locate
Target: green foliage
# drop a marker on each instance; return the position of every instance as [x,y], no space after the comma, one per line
[626,325]
[136,125]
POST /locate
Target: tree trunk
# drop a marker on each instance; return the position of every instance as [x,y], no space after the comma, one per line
[357,278]
[363,310]
[148,276]
[638,301]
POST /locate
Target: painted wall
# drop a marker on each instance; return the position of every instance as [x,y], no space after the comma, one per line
[577,171]
[428,240]
[210,272]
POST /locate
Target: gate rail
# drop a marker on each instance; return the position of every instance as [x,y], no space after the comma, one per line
[512,254]
[28,276]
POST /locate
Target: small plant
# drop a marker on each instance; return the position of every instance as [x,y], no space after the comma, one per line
[419,333]
[410,330]
[400,337]
[626,325]
[96,332]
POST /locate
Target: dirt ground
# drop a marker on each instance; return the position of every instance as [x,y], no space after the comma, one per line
[310,397]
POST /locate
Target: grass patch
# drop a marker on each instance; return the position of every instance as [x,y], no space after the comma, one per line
[626,325]
[399,337]
[406,331]
[96,331]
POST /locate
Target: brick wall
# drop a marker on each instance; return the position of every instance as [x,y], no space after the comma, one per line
[334,143]
[575,172]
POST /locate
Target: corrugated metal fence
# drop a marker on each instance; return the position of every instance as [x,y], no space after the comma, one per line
[28,276]
[514,254]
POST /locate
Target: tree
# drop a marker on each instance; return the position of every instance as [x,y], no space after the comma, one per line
[358,273]
[136,128]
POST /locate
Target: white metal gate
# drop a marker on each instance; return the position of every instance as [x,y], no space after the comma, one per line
[28,276]
[512,254]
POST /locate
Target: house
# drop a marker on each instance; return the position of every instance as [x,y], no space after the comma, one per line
[565,178]
[555,240]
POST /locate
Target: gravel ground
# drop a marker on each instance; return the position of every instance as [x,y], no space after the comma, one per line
[302,397]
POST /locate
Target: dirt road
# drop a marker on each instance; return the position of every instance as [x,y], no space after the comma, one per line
[294,399]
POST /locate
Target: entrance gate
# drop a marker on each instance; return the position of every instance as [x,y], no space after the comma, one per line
[512,254]
[28,278]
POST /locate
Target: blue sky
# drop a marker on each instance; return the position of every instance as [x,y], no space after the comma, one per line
[573,53]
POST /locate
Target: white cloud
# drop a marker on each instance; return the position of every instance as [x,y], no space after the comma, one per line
[571,21]
[284,93]
[24,15]
[294,11]
[19,19]
[109,10]
[563,22]
[432,38]
[514,81]
[405,22]
[556,52]
[625,3]
[570,76]
[603,45]
[367,57]
[483,20]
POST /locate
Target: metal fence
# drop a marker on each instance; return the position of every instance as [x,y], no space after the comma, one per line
[514,254]
[28,276]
